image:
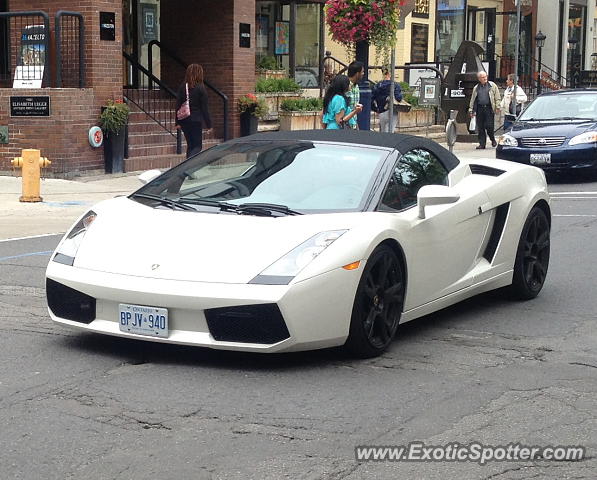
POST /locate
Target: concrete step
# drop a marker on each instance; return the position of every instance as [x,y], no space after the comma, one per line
[141,162]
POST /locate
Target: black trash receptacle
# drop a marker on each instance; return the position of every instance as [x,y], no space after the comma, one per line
[114,151]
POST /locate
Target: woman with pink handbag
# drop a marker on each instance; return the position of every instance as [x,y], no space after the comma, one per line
[192,112]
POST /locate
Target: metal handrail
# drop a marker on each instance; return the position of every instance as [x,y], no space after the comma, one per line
[182,63]
[165,88]
[58,27]
[46,17]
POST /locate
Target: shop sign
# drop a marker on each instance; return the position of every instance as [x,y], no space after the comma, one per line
[430,91]
[108,26]
[457,93]
[30,106]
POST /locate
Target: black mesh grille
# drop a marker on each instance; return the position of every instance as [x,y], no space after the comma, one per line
[68,303]
[485,170]
[248,323]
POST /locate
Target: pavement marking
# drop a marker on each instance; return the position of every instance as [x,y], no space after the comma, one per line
[32,236]
[572,193]
[574,198]
[573,215]
[26,255]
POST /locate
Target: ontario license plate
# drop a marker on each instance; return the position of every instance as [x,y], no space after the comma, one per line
[142,320]
[540,158]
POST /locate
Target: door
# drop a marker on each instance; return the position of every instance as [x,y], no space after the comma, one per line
[443,248]
[4,46]
[481,28]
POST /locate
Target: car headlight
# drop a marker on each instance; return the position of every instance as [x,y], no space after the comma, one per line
[508,141]
[67,250]
[587,137]
[283,270]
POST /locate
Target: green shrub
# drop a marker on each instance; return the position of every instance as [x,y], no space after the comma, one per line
[271,85]
[268,62]
[309,104]
[114,116]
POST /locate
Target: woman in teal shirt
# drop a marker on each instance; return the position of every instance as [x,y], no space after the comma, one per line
[336,106]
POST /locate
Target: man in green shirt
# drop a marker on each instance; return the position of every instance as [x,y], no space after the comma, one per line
[356,72]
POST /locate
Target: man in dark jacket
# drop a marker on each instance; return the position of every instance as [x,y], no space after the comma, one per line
[380,102]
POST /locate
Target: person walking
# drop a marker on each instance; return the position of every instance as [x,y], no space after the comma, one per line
[337,112]
[485,103]
[381,102]
[356,72]
[195,118]
[513,101]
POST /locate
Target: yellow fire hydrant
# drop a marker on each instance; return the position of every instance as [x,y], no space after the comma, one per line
[31,162]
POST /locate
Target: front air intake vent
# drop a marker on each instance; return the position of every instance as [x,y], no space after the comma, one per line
[247,324]
[68,303]
[485,170]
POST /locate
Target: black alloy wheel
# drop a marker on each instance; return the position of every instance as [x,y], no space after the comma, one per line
[532,256]
[378,304]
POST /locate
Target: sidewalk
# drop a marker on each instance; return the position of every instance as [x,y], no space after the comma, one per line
[65,200]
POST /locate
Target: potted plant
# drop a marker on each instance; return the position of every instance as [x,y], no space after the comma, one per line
[274,91]
[251,109]
[268,68]
[113,121]
[301,114]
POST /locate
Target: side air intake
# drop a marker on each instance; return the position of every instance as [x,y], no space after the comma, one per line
[501,213]
[485,170]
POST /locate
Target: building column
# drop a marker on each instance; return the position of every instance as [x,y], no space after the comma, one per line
[564,40]
[589,35]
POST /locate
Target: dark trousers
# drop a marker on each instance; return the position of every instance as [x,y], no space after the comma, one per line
[485,122]
[193,133]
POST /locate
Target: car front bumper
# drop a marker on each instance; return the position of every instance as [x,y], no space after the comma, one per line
[566,157]
[316,311]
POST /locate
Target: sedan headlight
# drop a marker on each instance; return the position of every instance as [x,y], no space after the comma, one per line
[587,137]
[283,270]
[67,250]
[508,141]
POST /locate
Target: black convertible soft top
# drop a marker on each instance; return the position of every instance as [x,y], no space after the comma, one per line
[397,141]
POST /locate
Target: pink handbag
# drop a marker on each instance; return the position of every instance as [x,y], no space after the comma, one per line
[185,109]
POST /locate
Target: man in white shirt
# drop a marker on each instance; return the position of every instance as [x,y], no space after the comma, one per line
[510,106]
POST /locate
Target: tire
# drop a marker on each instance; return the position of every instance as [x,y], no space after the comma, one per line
[532,256]
[378,304]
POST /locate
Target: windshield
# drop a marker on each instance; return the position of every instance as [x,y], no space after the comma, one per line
[565,107]
[302,176]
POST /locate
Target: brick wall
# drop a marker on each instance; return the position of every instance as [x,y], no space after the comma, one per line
[62,138]
[207,32]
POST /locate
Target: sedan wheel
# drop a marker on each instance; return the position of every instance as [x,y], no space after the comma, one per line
[378,304]
[532,257]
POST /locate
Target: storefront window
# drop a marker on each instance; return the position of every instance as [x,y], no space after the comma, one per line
[450,28]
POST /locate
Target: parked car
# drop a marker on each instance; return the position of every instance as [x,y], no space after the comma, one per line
[300,240]
[557,131]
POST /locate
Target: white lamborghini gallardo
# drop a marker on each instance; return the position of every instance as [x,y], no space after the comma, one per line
[301,240]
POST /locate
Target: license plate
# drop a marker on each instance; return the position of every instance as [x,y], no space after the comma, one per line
[143,320]
[540,158]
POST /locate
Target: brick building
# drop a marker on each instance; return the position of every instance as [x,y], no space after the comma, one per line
[118,62]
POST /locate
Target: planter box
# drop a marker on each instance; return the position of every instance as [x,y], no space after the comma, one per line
[417,117]
[273,101]
[300,121]
[271,73]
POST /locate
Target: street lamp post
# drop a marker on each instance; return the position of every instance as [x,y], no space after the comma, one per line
[364,118]
[540,41]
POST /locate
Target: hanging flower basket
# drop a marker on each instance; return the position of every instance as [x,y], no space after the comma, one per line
[352,21]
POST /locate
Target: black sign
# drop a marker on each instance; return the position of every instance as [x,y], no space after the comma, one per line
[107,26]
[244,32]
[588,78]
[29,106]
[149,13]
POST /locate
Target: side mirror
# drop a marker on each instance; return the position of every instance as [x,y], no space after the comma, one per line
[435,195]
[148,176]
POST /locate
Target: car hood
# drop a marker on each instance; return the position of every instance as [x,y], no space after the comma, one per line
[134,239]
[551,129]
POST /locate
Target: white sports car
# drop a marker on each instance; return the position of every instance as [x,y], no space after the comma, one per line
[301,240]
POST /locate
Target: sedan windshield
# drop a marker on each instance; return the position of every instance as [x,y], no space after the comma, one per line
[278,177]
[563,107]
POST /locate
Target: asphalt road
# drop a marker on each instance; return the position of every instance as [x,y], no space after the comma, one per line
[75,405]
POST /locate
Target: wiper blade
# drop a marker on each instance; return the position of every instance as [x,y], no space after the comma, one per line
[567,118]
[164,201]
[266,208]
[208,202]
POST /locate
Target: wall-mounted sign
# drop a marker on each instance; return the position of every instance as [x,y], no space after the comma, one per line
[458,93]
[30,106]
[421,9]
[149,16]
[3,135]
[588,78]
[108,26]
[244,35]
[31,57]
[96,137]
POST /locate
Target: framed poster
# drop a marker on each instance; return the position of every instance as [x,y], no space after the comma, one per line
[262,27]
[149,21]
[282,38]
